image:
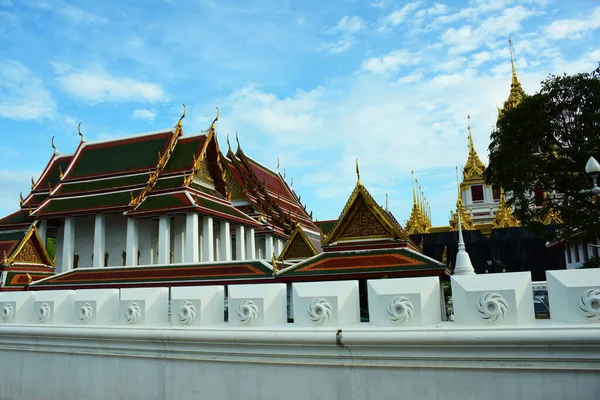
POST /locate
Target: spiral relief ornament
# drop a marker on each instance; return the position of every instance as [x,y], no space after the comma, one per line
[400,309]
[247,312]
[85,313]
[187,312]
[44,312]
[319,311]
[589,304]
[491,307]
[133,313]
[7,313]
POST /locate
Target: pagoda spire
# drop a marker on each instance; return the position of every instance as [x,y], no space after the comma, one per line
[418,222]
[516,91]
[463,265]
[504,216]
[460,218]
[474,167]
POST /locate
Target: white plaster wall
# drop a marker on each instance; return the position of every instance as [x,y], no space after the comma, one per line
[168,368]
[116,239]
[84,240]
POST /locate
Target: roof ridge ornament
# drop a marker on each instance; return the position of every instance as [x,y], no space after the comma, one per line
[32,183]
[212,126]
[180,122]
[53,146]
[237,139]
[80,134]
[228,144]
[358,182]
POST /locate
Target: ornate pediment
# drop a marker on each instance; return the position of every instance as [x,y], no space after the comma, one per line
[363,218]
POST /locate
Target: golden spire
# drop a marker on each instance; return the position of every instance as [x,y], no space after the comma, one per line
[473,168]
[465,219]
[212,126]
[60,172]
[504,217]
[21,199]
[417,222]
[516,91]
[358,182]
[387,203]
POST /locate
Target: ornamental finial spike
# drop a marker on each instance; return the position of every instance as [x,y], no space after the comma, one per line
[386,202]
[180,122]
[32,183]
[228,144]
[5,259]
[79,132]
[277,164]
[212,126]
[512,59]
[21,199]
[53,146]
[237,139]
[358,174]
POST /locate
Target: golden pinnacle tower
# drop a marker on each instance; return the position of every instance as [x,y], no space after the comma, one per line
[420,219]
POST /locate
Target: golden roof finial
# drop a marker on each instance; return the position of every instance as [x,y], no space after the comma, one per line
[60,172]
[471,146]
[291,181]
[212,126]
[413,188]
[21,200]
[29,279]
[32,183]
[457,184]
[180,122]
[277,164]
[79,132]
[53,146]
[237,139]
[5,259]
[516,91]
[387,203]
[228,144]
[358,182]
[284,173]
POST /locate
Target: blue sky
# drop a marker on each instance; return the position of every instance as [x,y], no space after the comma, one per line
[315,84]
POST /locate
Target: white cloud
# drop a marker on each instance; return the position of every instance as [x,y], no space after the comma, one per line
[23,95]
[574,28]
[145,114]
[389,63]
[96,86]
[81,16]
[350,24]
[340,46]
[400,15]
[13,182]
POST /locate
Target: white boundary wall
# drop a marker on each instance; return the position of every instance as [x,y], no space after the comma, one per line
[121,344]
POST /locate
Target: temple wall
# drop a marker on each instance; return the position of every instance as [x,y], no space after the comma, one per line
[116,239]
[84,240]
[125,344]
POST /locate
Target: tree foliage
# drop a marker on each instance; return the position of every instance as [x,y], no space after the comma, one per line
[545,142]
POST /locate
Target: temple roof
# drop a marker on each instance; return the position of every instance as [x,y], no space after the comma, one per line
[23,248]
[419,220]
[363,219]
[389,261]
[301,245]
[504,217]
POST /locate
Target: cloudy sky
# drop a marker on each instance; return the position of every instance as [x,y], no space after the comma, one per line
[313,83]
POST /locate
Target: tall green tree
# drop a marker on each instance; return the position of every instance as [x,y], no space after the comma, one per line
[542,146]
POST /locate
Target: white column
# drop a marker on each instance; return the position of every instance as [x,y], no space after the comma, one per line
[178,246]
[240,243]
[225,241]
[278,247]
[208,250]
[99,240]
[250,244]
[269,249]
[68,245]
[42,228]
[133,242]
[191,238]
[164,239]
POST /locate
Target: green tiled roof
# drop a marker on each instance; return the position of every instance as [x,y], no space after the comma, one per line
[38,198]
[103,184]
[183,156]
[133,154]
[53,176]
[169,183]
[326,226]
[19,217]
[206,190]
[87,202]
[162,201]
[222,208]
[12,236]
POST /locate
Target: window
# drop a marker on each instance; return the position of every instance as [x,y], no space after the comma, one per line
[496,193]
[539,196]
[477,193]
